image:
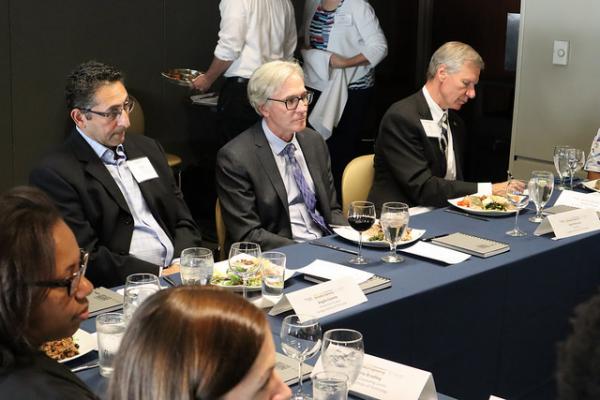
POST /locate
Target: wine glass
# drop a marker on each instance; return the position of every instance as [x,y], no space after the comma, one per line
[575,161]
[519,198]
[394,220]
[540,188]
[560,163]
[300,340]
[343,351]
[361,216]
[244,261]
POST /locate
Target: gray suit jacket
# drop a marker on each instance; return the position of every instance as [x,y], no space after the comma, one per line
[409,166]
[252,194]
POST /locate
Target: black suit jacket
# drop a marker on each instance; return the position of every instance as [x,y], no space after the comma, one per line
[44,379]
[252,194]
[409,166]
[94,207]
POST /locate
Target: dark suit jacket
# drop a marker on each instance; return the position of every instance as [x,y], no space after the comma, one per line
[44,379]
[252,194]
[94,207]
[409,166]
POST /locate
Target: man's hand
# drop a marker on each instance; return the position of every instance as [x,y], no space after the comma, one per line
[171,269]
[202,83]
[499,189]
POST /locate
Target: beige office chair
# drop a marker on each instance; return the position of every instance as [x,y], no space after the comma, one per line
[221,232]
[138,125]
[357,180]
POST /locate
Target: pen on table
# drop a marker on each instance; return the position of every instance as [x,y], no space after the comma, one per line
[430,238]
[465,214]
[334,247]
[169,281]
[95,364]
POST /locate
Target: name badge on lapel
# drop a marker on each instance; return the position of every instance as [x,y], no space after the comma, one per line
[343,19]
[432,129]
[141,169]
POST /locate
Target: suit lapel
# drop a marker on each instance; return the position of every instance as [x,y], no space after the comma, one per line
[425,113]
[94,166]
[266,159]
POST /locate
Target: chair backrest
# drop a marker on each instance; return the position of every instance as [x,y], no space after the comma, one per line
[136,118]
[220,225]
[357,180]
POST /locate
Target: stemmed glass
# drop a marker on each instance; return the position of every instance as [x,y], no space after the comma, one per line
[343,351]
[560,163]
[394,220]
[575,161]
[300,340]
[244,261]
[519,198]
[540,188]
[361,216]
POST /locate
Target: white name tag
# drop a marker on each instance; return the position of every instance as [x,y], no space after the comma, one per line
[386,380]
[574,222]
[343,19]
[141,169]
[326,298]
[432,129]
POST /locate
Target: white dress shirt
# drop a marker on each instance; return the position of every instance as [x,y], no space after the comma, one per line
[253,32]
[303,226]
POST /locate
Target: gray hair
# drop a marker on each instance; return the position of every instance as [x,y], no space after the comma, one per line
[268,78]
[453,55]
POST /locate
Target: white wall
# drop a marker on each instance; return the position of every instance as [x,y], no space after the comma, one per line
[555,104]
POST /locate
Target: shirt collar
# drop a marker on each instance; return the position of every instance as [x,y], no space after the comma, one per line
[434,108]
[107,155]
[277,144]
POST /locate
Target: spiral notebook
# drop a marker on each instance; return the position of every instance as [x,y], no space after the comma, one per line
[475,245]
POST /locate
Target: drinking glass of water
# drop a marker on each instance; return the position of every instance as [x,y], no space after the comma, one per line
[560,163]
[540,188]
[300,340]
[394,220]
[110,328]
[519,198]
[343,351]
[196,266]
[273,275]
[138,287]
[361,216]
[330,386]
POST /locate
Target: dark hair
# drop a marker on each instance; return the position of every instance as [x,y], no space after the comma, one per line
[84,80]
[578,373]
[188,343]
[27,220]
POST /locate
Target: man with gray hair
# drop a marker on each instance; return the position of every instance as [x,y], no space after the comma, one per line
[274,180]
[420,148]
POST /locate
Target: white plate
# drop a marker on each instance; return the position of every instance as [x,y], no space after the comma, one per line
[489,213]
[86,341]
[350,234]
[591,185]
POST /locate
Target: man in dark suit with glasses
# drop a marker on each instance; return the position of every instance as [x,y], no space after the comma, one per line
[115,191]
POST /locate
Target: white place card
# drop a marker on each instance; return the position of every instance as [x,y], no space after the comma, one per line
[496,398]
[141,169]
[434,252]
[326,298]
[579,200]
[330,271]
[381,379]
[574,222]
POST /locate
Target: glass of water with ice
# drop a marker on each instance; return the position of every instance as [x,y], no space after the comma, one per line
[343,351]
[110,328]
[273,275]
[196,266]
[330,386]
[138,287]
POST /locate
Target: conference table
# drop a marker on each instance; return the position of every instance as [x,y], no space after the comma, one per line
[481,327]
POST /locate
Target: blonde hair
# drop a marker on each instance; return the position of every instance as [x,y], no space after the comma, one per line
[453,55]
[268,78]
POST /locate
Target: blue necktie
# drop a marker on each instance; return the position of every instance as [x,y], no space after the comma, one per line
[307,195]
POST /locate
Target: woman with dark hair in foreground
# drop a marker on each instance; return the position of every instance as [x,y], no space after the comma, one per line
[192,343]
[42,296]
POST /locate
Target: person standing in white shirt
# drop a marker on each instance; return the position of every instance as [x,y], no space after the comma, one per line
[252,32]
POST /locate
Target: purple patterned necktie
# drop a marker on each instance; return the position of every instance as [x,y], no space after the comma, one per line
[307,195]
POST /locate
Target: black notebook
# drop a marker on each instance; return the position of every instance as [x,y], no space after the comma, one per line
[103,300]
[475,245]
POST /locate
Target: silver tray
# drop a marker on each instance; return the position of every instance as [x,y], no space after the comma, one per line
[181,76]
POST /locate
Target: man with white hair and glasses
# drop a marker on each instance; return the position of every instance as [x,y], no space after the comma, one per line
[115,191]
[274,180]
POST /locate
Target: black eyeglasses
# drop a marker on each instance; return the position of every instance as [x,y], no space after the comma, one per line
[113,114]
[291,103]
[72,283]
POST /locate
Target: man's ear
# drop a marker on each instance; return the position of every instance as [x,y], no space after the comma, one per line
[78,117]
[264,110]
[442,72]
